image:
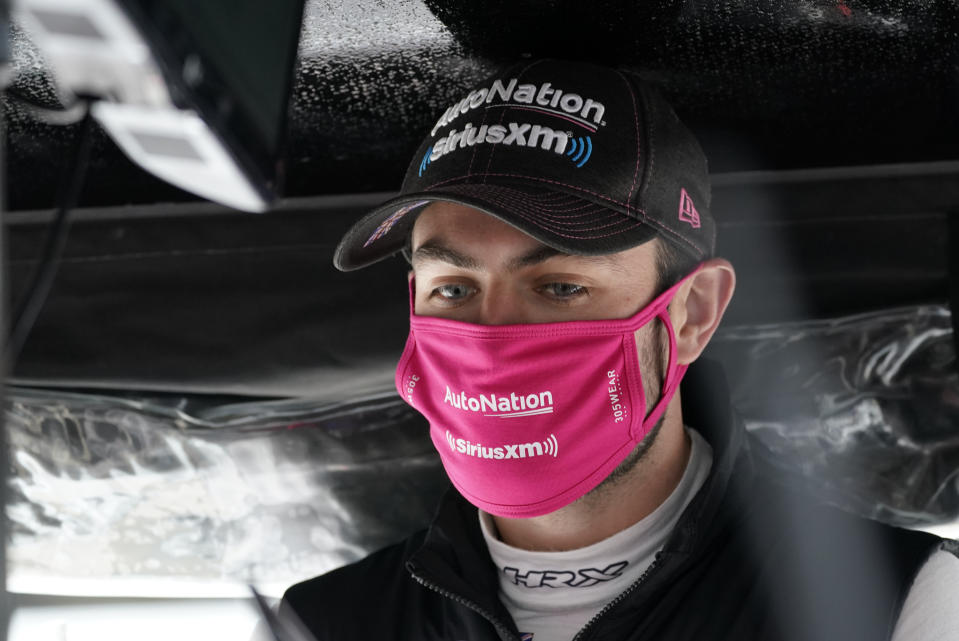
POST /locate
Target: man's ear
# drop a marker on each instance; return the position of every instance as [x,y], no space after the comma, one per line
[698,307]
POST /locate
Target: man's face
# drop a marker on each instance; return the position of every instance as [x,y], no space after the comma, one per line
[472,267]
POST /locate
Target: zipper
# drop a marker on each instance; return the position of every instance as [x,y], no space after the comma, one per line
[622,596]
[501,628]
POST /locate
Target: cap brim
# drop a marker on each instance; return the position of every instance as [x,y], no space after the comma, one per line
[563,221]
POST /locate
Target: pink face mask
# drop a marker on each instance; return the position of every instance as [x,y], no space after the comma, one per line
[528,418]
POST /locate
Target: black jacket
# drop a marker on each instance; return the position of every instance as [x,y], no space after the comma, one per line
[749,559]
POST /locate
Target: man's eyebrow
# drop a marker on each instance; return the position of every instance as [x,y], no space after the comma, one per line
[433,250]
[538,255]
[544,253]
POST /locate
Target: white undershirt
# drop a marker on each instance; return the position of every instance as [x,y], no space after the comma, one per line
[552,595]
[931,610]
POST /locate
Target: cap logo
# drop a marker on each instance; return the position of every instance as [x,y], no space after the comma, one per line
[426,160]
[519,134]
[580,150]
[543,98]
[687,210]
[385,226]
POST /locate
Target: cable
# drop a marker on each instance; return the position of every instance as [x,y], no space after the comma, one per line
[41,281]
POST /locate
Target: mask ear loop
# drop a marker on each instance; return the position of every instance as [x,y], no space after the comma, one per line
[674,374]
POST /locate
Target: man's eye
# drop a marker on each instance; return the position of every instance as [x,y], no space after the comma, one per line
[452,292]
[563,291]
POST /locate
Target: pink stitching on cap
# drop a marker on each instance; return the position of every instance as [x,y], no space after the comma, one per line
[538,179]
[592,225]
[469,170]
[548,210]
[635,224]
[517,198]
[589,128]
[647,219]
[519,207]
[502,115]
[612,219]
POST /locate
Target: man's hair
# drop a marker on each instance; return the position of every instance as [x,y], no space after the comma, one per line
[672,264]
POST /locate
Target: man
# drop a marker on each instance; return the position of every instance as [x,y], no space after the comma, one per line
[563,279]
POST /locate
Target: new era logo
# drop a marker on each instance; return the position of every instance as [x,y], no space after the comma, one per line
[687,210]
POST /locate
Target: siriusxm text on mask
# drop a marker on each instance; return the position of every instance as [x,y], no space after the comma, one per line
[548,447]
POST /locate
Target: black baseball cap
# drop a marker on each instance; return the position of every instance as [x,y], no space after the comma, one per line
[585,159]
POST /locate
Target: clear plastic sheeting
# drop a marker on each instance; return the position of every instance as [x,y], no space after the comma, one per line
[119,497]
[862,410]
[144,497]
